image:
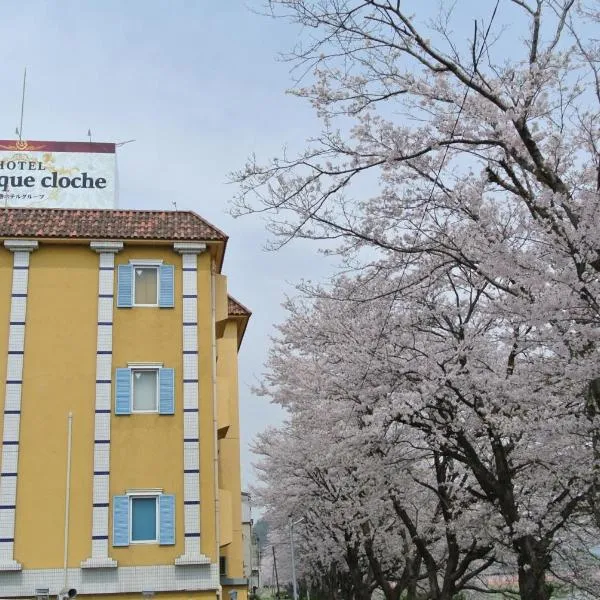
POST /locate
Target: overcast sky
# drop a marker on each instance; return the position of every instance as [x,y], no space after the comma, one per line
[198,85]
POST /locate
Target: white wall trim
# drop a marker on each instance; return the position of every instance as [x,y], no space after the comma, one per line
[191,446]
[145,262]
[21,245]
[106,246]
[100,581]
[9,471]
[189,247]
[99,558]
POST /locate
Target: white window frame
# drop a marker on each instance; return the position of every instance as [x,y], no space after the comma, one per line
[144,367]
[144,494]
[146,263]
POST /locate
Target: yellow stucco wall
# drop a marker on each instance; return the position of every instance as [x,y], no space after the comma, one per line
[221,303]
[223,404]
[59,373]
[146,449]
[229,451]
[226,526]
[206,414]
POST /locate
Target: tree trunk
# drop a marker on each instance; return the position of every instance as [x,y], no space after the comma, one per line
[533,565]
[391,589]
[361,589]
[593,406]
[414,569]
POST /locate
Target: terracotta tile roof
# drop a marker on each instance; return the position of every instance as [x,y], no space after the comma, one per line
[106,224]
[236,309]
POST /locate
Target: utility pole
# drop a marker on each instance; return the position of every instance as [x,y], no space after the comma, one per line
[294,583]
[258,571]
[251,574]
[275,567]
[273,578]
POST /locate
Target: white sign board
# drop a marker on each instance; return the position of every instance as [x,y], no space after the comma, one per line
[57,174]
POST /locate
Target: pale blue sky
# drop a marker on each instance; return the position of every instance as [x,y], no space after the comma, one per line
[198,85]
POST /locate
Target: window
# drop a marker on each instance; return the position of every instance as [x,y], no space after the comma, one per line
[145,395]
[145,283]
[145,388]
[145,286]
[222,566]
[144,519]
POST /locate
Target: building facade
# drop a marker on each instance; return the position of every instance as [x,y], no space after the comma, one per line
[250,544]
[120,468]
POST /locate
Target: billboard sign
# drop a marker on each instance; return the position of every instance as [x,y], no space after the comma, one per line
[57,174]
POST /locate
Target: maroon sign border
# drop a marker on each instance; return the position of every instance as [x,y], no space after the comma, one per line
[37,146]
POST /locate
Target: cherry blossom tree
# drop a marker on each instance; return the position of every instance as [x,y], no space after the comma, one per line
[327,468]
[473,318]
[395,530]
[479,398]
[302,488]
[489,139]
[494,166]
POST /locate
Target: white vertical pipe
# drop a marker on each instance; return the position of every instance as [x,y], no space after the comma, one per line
[67,496]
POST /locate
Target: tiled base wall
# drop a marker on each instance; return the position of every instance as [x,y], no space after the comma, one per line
[160,578]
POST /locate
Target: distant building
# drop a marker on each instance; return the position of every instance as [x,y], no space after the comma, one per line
[121,318]
[251,544]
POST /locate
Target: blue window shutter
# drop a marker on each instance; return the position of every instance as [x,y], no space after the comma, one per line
[125,286]
[166,296]
[167,519]
[123,392]
[120,520]
[166,403]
